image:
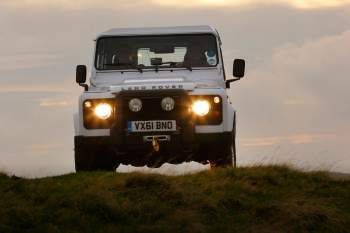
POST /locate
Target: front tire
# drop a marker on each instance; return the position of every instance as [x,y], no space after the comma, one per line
[227,154]
[92,158]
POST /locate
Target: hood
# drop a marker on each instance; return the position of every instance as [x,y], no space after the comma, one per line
[153,84]
[157,81]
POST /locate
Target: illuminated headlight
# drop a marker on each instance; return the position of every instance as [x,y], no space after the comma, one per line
[135,105]
[168,104]
[103,111]
[201,107]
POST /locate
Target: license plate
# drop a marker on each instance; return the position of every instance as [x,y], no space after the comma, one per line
[151,126]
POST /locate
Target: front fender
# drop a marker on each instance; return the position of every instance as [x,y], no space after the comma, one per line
[230,118]
[76,124]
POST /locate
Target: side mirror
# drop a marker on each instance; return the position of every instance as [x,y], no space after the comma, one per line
[80,76]
[238,68]
[238,71]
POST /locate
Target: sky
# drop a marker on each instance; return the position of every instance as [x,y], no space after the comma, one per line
[293,105]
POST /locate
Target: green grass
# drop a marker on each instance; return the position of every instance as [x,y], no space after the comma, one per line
[257,199]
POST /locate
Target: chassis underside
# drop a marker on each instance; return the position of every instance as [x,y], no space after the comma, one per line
[204,148]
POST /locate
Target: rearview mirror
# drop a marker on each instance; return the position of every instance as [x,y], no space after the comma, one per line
[80,76]
[164,49]
[156,61]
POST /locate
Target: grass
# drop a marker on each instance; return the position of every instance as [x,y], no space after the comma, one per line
[257,199]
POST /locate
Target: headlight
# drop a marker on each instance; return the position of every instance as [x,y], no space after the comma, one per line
[168,104]
[103,111]
[201,107]
[99,113]
[135,105]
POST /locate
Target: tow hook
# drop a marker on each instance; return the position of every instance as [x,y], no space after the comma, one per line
[155,144]
[156,139]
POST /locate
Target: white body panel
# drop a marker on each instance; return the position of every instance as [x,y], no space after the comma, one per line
[199,81]
[201,29]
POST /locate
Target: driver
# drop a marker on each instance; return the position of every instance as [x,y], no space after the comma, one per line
[195,57]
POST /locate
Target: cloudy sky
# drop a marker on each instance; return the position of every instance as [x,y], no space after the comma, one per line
[293,105]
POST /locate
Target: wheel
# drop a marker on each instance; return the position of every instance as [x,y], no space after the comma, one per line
[227,152]
[234,148]
[90,158]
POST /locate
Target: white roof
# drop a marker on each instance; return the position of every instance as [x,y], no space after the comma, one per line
[159,31]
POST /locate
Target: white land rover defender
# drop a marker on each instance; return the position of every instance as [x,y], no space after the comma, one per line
[156,95]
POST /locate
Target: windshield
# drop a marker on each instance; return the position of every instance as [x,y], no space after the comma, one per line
[139,52]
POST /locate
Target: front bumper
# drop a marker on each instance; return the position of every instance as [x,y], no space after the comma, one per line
[203,147]
[193,140]
[136,141]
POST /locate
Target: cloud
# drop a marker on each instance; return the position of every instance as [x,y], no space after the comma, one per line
[54,103]
[301,4]
[297,69]
[45,147]
[302,138]
[76,5]
[263,141]
[80,4]
[26,61]
[308,4]
[318,69]
[20,88]
[294,101]
[303,87]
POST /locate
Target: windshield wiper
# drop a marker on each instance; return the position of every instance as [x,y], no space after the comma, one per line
[132,65]
[157,64]
[175,65]
[189,67]
[178,65]
[171,63]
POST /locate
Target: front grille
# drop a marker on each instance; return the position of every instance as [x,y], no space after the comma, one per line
[151,106]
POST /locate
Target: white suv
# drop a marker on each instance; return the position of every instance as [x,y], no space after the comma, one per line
[156,95]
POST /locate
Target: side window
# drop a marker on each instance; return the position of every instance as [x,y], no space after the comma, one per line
[101,60]
[101,55]
[114,59]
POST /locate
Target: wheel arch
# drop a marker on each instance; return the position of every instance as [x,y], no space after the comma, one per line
[76,123]
[230,118]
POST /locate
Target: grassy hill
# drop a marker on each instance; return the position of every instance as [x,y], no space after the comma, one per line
[259,199]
